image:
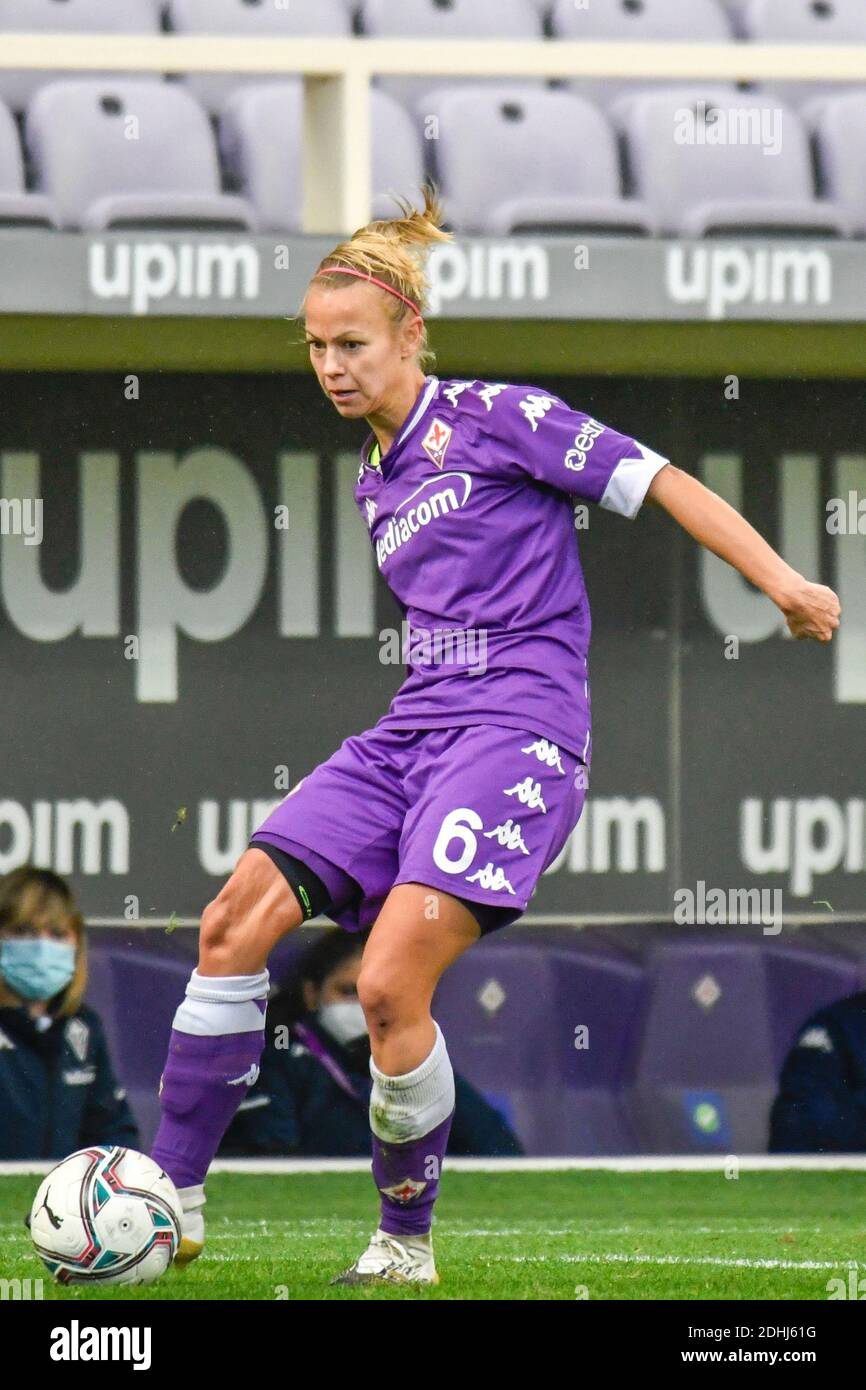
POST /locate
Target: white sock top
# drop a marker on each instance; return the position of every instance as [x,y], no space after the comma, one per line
[234,989]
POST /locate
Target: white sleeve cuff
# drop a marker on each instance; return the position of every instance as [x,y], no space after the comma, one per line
[628,483]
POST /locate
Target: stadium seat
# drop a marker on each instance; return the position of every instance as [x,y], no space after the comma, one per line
[133,153]
[253,18]
[557,149]
[511,1011]
[596,1017]
[809,22]
[840,145]
[707,1083]
[18,207]
[260,134]
[494,1008]
[448,20]
[659,21]
[68,16]
[697,188]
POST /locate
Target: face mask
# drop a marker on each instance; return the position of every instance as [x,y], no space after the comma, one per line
[36,968]
[344,1021]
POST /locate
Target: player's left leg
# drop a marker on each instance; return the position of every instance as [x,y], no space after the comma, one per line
[418,934]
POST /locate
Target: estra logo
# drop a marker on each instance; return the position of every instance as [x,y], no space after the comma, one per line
[575,459]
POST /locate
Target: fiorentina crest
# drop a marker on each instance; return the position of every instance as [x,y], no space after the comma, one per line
[436,441]
[404,1191]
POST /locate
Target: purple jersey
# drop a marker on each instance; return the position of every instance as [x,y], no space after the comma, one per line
[471,517]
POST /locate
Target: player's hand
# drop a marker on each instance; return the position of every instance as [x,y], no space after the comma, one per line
[811,610]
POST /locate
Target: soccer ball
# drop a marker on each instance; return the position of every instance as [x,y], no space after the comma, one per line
[106,1215]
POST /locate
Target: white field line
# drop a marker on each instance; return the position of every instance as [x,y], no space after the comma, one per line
[636,1163]
[316,1229]
[612,1258]
[523,1231]
[717,1260]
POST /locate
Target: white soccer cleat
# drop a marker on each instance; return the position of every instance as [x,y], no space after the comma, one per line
[192,1199]
[392,1259]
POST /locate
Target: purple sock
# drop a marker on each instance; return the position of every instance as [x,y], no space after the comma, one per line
[213,1055]
[410,1116]
[402,1173]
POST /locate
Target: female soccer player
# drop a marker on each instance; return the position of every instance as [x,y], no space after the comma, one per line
[436,824]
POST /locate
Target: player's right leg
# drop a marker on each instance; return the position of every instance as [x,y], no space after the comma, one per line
[218,1033]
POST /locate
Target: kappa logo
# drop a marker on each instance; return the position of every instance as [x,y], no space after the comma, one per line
[436,441]
[404,1191]
[456,389]
[536,407]
[546,752]
[528,792]
[491,877]
[249,1078]
[490,392]
[509,836]
[372,509]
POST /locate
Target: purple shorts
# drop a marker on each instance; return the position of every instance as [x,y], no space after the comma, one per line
[478,811]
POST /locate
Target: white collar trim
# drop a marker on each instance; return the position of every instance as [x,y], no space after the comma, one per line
[425,401]
[432,388]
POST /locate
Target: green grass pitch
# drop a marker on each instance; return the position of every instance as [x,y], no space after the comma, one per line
[595,1234]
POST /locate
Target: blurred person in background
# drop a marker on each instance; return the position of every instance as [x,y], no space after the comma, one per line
[58,1091]
[312,1097]
[821,1104]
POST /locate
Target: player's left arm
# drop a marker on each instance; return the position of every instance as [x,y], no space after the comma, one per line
[542,437]
[811,610]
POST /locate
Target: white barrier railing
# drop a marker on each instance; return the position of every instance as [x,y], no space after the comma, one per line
[337,72]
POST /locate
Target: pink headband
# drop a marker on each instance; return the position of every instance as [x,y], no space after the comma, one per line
[346,270]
